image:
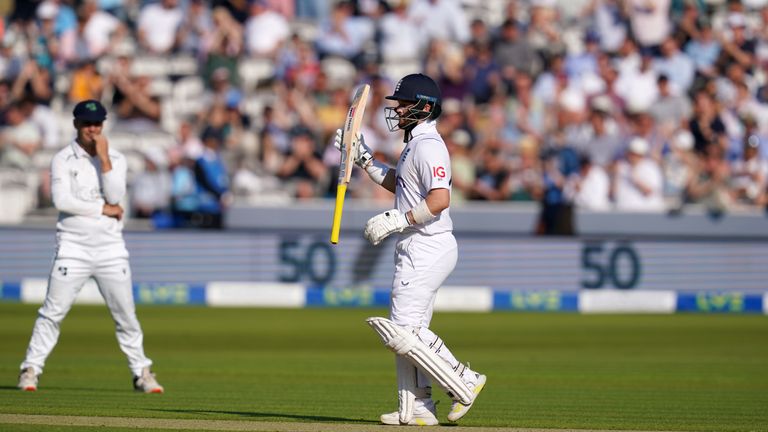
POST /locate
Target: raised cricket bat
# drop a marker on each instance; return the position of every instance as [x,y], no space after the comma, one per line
[348,147]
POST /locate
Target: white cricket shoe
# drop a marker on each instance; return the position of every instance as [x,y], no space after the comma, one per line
[458,409]
[425,418]
[146,382]
[423,415]
[27,380]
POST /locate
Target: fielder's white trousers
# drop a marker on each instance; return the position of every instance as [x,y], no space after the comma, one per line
[113,277]
[422,263]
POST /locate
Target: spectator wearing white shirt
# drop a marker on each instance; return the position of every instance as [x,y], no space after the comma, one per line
[440,19]
[265,30]
[157,26]
[638,87]
[638,183]
[748,174]
[589,188]
[650,21]
[398,33]
[100,30]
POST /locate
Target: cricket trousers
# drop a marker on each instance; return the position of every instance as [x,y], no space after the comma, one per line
[68,275]
[422,263]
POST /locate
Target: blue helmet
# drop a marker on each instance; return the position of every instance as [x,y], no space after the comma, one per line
[422,91]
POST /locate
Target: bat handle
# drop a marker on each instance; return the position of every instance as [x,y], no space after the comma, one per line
[341,191]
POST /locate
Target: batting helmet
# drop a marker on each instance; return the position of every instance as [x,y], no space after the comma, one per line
[422,91]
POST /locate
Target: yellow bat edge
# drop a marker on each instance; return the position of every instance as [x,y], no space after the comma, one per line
[341,191]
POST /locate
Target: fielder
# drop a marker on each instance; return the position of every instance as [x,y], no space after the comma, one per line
[425,254]
[88,180]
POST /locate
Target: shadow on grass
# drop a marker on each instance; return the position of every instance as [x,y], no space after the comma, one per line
[273,415]
[59,388]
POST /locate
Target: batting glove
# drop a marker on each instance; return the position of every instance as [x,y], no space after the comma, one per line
[364,156]
[382,225]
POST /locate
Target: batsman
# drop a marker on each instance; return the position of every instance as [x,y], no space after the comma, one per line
[425,254]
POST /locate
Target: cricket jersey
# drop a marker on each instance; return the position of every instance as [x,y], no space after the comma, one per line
[80,190]
[424,165]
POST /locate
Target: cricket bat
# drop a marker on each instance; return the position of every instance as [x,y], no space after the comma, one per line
[349,145]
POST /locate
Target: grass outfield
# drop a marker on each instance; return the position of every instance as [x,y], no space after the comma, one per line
[641,372]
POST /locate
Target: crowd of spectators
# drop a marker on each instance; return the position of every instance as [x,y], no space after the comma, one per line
[633,105]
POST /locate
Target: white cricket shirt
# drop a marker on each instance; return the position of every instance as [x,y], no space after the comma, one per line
[424,165]
[79,191]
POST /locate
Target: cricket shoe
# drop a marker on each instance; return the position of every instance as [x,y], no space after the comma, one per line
[27,380]
[423,415]
[458,409]
[147,382]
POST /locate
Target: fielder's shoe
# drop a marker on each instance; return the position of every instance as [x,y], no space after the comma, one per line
[27,380]
[423,415]
[458,409]
[146,382]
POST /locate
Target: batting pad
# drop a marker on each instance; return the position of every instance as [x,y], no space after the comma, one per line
[404,343]
[406,388]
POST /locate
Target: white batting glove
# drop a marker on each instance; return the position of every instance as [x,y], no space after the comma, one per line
[382,225]
[364,156]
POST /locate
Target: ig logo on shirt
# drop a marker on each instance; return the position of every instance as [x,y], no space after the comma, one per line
[438,172]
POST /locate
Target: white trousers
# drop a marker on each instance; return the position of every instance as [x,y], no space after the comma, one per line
[68,275]
[422,263]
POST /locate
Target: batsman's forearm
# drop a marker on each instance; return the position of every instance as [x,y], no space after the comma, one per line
[390,181]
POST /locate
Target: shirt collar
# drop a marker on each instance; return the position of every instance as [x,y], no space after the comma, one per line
[79,151]
[424,128]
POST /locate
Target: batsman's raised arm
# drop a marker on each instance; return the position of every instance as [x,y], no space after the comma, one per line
[378,172]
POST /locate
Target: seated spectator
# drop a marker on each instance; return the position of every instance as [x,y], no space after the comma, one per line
[638,183]
[706,124]
[671,110]
[589,189]
[195,29]
[137,109]
[749,174]
[704,50]
[603,140]
[303,166]
[98,30]
[679,165]
[345,35]
[399,34]
[462,166]
[439,20]
[709,185]
[676,66]
[265,30]
[212,181]
[525,176]
[740,47]
[151,188]
[87,83]
[491,177]
[21,144]
[157,26]
[513,53]
[184,196]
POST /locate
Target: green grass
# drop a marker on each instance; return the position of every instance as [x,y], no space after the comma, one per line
[639,372]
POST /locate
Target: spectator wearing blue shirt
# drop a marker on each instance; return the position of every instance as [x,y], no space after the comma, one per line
[677,66]
[704,50]
[212,181]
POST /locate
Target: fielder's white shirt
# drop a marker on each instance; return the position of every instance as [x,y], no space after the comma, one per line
[424,165]
[79,191]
